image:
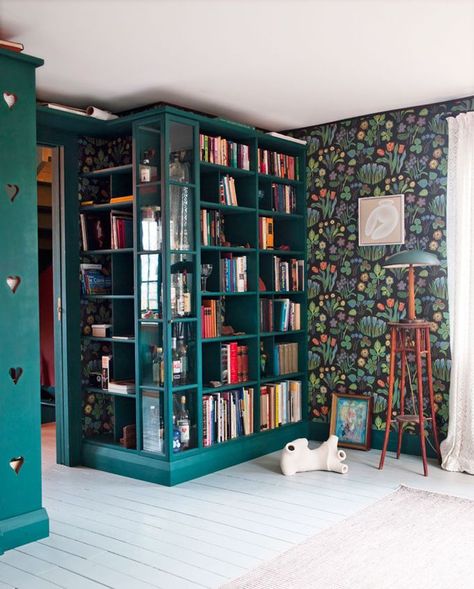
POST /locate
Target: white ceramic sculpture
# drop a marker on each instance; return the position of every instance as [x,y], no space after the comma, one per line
[296,457]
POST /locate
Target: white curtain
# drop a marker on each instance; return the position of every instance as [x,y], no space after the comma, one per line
[458,449]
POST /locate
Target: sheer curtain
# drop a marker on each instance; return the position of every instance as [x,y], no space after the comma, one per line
[458,449]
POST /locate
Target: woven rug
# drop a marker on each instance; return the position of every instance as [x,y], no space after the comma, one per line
[409,538]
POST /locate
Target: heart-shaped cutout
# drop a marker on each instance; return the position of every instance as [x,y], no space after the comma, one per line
[13,283]
[15,374]
[17,463]
[12,191]
[10,99]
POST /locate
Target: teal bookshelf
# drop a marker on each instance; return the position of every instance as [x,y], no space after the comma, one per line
[156,296]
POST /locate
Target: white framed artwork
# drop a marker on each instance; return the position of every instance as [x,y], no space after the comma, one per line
[382,220]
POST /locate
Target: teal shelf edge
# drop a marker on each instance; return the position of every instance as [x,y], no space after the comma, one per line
[106,206]
[278,252]
[282,292]
[278,333]
[184,387]
[208,167]
[183,319]
[231,209]
[109,296]
[144,184]
[125,169]
[102,441]
[182,252]
[228,338]
[98,391]
[280,215]
[107,252]
[151,321]
[229,387]
[276,378]
[278,180]
[149,252]
[229,248]
[109,339]
[205,294]
[152,388]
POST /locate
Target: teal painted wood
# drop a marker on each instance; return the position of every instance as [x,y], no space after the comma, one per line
[22,518]
[192,462]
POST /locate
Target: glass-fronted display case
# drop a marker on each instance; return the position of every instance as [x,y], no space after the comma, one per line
[166,285]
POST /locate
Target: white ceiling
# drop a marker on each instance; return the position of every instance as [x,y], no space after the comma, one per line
[278,64]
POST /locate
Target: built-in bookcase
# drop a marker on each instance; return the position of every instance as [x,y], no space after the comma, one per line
[244,386]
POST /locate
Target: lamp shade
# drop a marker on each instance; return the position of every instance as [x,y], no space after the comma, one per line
[411,258]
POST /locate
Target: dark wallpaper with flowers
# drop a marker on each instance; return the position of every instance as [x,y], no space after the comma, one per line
[95,154]
[351,296]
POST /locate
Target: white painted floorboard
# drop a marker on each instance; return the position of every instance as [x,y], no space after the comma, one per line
[110,531]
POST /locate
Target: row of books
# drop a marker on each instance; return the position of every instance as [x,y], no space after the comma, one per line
[227,415]
[277,164]
[210,318]
[285,358]
[283,198]
[234,363]
[217,150]
[288,274]
[280,403]
[212,227]
[279,315]
[227,191]
[233,273]
[106,230]
[265,233]
[95,280]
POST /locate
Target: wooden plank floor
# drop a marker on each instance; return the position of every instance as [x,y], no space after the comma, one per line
[110,531]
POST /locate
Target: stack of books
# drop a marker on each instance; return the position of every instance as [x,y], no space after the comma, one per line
[126,387]
[280,403]
[285,358]
[227,415]
[283,198]
[279,315]
[122,229]
[289,274]
[217,150]
[234,363]
[210,318]
[277,164]
[212,227]
[265,233]
[233,273]
[95,231]
[227,191]
[94,280]
[287,315]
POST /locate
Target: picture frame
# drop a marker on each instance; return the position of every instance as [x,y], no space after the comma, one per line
[351,420]
[382,220]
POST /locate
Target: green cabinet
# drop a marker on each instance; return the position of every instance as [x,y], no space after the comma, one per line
[22,518]
[205,307]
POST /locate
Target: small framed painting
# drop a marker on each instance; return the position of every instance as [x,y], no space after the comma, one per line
[351,420]
[382,220]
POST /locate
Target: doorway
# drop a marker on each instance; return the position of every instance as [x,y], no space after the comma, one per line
[48,201]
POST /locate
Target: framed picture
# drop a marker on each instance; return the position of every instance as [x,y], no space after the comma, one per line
[351,420]
[382,220]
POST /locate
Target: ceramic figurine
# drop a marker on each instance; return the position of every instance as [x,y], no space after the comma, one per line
[296,457]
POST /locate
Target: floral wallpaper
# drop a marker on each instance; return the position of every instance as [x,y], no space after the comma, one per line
[95,154]
[351,296]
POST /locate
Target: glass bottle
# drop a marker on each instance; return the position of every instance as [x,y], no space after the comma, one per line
[176,362]
[183,356]
[176,436]
[158,366]
[186,295]
[145,167]
[184,424]
[263,360]
[180,205]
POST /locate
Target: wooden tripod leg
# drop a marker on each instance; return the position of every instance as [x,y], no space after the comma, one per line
[402,398]
[419,379]
[391,382]
[429,371]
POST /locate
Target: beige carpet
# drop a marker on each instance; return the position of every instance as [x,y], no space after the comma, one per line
[409,539]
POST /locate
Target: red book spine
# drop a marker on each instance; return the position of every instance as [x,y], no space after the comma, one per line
[234,377]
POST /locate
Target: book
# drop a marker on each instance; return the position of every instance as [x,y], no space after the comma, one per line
[265,233]
[122,386]
[288,274]
[234,363]
[227,415]
[280,403]
[101,329]
[233,273]
[106,372]
[11,45]
[224,152]
[228,191]
[277,164]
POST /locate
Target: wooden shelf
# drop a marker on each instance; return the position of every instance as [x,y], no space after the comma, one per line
[277,252]
[108,252]
[205,294]
[279,333]
[98,391]
[278,180]
[230,209]
[228,338]
[125,169]
[228,248]
[275,378]
[109,339]
[228,387]
[207,167]
[280,215]
[109,296]
[105,206]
